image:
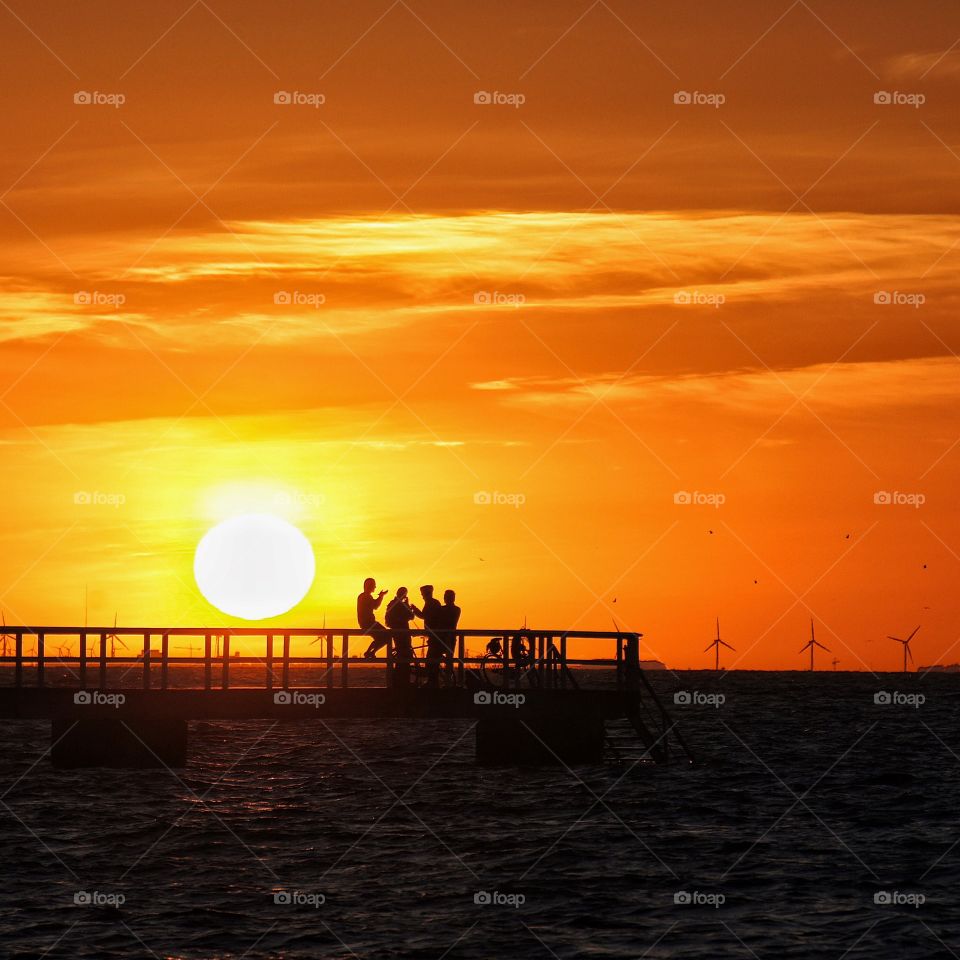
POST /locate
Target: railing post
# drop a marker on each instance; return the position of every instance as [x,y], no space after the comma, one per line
[631,655]
[345,652]
[18,666]
[39,659]
[269,661]
[329,642]
[225,674]
[83,661]
[207,665]
[146,661]
[461,653]
[563,661]
[164,658]
[103,661]
[286,661]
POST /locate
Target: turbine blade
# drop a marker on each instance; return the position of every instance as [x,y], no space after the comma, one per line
[821,646]
[912,635]
[727,645]
[708,646]
[909,654]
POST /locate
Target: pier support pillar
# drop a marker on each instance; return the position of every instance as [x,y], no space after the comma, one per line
[512,738]
[105,742]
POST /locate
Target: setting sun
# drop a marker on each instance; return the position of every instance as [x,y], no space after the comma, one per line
[254,566]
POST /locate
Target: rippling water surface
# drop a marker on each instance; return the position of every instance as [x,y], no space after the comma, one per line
[376,839]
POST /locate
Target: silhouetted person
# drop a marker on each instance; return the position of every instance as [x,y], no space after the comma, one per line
[399,614]
[432,613]
[449,618]
[367,618]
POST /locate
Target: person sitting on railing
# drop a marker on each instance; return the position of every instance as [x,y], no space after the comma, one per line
[399,614]
[367,618]
[449,617]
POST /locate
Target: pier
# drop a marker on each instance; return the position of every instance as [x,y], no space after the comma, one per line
[532,700]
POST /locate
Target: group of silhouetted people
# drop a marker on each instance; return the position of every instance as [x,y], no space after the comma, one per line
[439,624]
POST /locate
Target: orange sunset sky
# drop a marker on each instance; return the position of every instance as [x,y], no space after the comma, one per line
[363,314]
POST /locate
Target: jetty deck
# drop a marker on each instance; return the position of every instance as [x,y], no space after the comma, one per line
[110,706]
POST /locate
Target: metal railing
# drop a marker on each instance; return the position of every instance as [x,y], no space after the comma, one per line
[524,657]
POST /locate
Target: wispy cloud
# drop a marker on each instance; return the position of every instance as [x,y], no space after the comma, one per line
[299,281]
[876,384]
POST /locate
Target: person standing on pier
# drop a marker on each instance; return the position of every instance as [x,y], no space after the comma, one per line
[449,618]
[399,614]
[367,605]
[432,613]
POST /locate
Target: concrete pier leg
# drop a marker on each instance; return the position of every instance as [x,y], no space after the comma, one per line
[103,742]
[508,738]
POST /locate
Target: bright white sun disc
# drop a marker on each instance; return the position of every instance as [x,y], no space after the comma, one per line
[254,566]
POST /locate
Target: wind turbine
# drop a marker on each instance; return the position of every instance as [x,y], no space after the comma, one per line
[320,636]
[834,661]
[5,637]
[190,647]
[811,643]
[716,643]
[906,646]
[114,639]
